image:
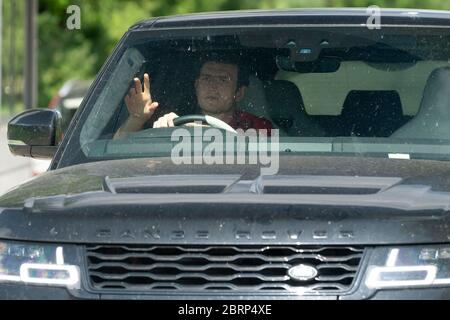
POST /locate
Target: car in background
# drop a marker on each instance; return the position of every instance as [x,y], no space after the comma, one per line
[358,209]
[66,101]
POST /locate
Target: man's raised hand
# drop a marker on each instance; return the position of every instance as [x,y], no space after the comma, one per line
[139,102]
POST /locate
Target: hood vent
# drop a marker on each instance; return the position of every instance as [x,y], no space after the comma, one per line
[325,185]
[209,184]
[170,184]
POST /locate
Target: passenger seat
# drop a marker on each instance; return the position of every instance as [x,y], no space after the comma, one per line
[371,113]
[287,110]
[254,101]
[433,119]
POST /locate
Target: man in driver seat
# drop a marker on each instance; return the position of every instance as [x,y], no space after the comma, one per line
[219,86]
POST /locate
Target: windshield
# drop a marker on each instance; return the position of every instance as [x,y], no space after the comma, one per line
[312,90]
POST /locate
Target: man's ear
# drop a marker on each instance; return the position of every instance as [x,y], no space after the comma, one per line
[240,93]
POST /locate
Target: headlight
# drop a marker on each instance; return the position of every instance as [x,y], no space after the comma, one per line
[412,267]
[36,264]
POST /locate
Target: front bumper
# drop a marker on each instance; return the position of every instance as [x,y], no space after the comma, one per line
[28,292]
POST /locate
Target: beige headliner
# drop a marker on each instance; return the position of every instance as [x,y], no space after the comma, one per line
[325,93]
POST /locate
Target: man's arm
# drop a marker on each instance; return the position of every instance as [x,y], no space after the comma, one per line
[132,124]
[140,107]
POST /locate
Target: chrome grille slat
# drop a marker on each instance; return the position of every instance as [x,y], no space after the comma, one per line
[337,266]
[181,267]
[225,258]
[158,277]
[128,268]
[229,286]
[335,278]
[240,249]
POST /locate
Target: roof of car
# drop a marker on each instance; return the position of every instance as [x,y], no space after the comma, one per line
[299,16]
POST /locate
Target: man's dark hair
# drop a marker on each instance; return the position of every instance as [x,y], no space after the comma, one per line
[228,58]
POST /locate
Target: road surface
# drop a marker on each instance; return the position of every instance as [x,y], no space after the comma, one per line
[13,170]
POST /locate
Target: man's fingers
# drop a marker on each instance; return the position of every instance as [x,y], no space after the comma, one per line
[137,85]
[170,118]
[151,107]
[160,123]
[147,85]
[165,121]
[170,122]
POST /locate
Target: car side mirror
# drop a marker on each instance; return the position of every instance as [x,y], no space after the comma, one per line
[35,133]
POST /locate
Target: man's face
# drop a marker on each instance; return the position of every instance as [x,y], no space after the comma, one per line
[216,87]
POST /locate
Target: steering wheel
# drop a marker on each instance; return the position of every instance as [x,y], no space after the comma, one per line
[213,122]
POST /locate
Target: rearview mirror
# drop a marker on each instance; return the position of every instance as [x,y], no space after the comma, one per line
[321,65]
[35,133]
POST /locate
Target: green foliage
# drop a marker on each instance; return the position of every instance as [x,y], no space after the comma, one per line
[65,54]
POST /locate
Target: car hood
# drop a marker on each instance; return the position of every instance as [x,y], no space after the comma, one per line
[90,177]
[312,200]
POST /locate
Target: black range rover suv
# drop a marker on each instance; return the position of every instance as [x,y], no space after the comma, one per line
[342,193]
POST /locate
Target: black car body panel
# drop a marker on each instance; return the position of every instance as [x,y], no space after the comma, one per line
[354,16]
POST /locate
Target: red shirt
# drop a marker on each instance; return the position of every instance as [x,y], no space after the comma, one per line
[244,120]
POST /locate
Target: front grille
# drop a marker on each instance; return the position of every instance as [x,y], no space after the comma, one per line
[224,268]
